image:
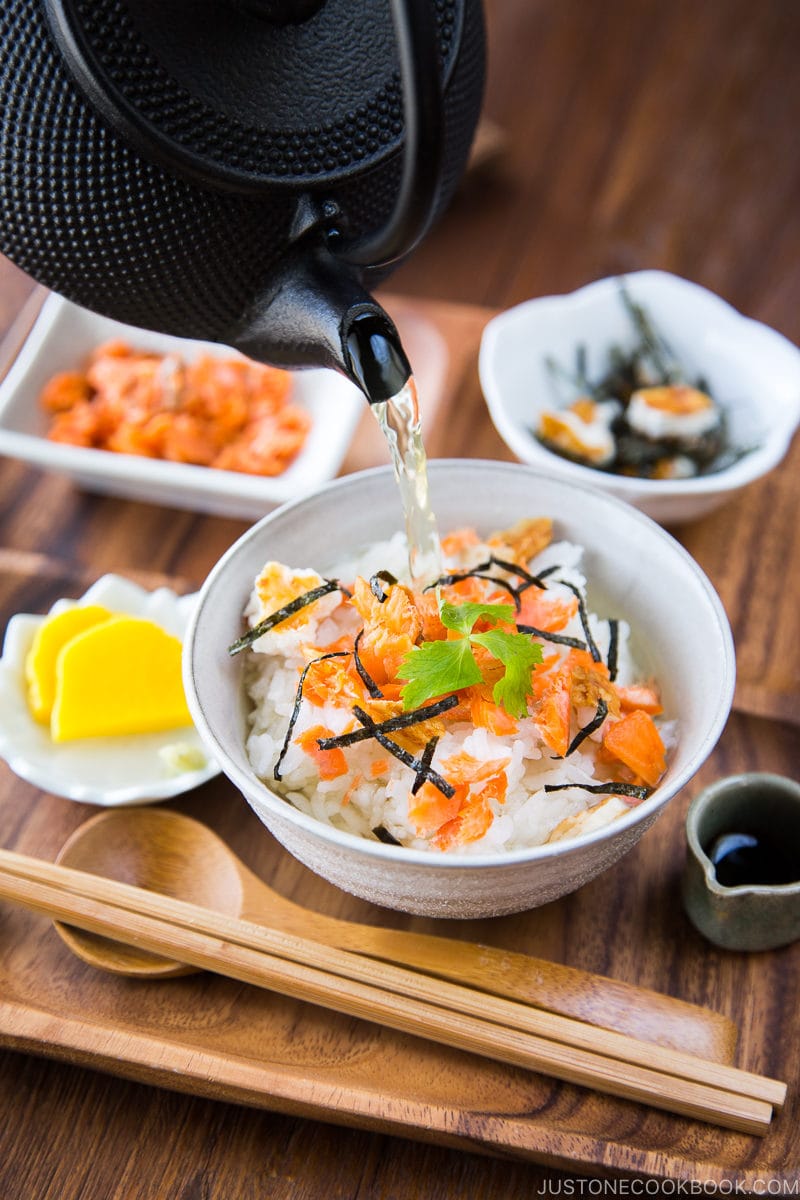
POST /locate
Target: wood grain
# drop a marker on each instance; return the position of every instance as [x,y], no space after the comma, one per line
[637,134]
[396,997]
[170,853]
[195,1034]
[574,930]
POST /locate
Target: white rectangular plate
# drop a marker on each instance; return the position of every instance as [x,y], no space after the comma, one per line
[60,340]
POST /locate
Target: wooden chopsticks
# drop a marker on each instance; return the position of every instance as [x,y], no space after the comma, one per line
[398,997]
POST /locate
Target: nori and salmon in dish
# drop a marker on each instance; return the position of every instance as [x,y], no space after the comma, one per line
[643,417]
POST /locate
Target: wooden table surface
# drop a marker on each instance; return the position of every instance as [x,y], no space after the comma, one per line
[632,134]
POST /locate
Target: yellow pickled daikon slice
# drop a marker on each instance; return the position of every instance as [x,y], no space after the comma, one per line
[48,642]
[120,677]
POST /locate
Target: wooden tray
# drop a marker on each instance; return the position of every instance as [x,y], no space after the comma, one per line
[216,1038]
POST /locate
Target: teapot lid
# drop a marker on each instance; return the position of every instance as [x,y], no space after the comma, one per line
[235,94]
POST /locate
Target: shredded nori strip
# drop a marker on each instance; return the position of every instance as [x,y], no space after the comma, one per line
[549,571]
[364,675]
[426,758]
[613,645]
[516,569]
[600,789]
[579,379]
[528,579]
[595,723]
[298,699]
[653,343]
[281,614]
[481,572]
[560,638]
[584,616]
[416,764]
[375,585]
[459,576]
[401,721]
[383,835]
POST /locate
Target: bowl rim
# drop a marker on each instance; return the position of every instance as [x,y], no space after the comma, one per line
[451,861]
[753,465]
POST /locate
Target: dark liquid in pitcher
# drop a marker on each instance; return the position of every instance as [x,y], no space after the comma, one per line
[742,859]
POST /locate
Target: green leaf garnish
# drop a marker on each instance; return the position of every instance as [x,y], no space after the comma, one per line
[463,617]
[434,668]
[519,655]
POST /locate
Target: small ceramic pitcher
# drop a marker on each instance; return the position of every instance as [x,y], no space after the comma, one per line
[744,913]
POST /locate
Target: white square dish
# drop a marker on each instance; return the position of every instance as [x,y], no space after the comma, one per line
[60,340]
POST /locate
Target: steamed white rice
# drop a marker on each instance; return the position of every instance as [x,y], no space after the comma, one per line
[357,802]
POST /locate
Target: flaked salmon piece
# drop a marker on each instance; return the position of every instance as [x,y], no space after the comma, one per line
[523,541]
[277,585]
[229,413]
[459,540]
[635,741]
[553,714]
[430,809]
[485,714]
[589,685]
[640,695]
[465,768]
[64,391]
[427,605]
[333,681]
[471,821]
[330,763]
[414,737]
[544,610]
[391,629]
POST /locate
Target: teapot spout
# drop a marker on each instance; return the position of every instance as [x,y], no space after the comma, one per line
[375,359]
[316,313]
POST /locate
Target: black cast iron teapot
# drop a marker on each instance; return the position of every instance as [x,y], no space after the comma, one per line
[242,171]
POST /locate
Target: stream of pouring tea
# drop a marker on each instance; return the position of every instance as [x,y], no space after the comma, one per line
[399,419]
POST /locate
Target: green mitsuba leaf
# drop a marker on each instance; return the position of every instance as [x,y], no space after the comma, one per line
[519,655]
[463,617]
[435,668]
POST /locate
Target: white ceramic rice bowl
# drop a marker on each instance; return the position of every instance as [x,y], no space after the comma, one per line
[635,570]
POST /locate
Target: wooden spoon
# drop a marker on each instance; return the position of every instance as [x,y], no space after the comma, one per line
[166,852]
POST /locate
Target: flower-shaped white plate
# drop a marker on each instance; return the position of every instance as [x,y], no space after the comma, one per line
[752,371]
[63,336]
[108,771]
